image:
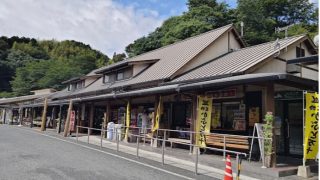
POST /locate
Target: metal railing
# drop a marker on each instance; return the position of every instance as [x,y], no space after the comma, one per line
[117,134]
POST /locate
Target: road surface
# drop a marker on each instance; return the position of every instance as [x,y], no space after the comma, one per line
[29,154]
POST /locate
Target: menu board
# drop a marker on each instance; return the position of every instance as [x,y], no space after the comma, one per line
[216,113]
[254,115]
[239,122]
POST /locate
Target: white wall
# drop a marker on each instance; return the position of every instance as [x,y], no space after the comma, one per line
[216,49]
[137,68]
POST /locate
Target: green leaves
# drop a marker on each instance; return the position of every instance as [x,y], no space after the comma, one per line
[31,64]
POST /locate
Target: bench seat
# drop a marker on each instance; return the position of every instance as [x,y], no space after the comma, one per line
[233,142]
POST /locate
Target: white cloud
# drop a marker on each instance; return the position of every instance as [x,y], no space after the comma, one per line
[103,24]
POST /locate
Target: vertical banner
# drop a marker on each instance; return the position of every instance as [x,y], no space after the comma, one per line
[156,121]
[127,120]
[204,109]
[72,120]
[311,138]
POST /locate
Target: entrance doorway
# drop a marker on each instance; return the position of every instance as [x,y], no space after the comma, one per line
[293,119]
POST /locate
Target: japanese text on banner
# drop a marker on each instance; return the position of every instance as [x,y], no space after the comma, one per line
[311,138]
[203,119]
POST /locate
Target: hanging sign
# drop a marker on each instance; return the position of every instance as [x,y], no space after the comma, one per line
[72,120]
[156,121]
[311,138]
[203,119]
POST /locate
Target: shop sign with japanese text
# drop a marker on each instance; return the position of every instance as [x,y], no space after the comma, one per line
[203,119]
[311,138]
[227,93]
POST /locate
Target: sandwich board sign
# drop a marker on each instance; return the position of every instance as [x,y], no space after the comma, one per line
[259,131]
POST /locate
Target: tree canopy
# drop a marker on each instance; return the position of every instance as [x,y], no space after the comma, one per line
[27,64]
[260,18]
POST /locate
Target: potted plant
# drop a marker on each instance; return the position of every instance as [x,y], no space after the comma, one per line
[268,134]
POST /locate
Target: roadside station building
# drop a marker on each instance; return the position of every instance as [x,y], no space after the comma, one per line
[244,83]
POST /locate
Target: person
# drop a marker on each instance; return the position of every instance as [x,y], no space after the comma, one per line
[144,121]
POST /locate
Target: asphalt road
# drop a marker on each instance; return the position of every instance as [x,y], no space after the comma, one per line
[27,154]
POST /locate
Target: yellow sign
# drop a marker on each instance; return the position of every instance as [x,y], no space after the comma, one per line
[156,121]
[127,120]
[311,138]
[203,119]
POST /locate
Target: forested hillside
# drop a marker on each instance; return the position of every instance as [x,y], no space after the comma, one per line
[27,64]
[260,18]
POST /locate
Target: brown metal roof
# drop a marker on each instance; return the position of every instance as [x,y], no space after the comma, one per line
[237,61]
[173,57]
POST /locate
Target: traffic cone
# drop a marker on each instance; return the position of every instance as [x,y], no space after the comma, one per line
[228,170]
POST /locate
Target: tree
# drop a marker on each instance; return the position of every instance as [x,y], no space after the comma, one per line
[202,16]
[261,17]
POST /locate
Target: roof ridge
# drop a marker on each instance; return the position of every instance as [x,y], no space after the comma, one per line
[269,42]
[189,38]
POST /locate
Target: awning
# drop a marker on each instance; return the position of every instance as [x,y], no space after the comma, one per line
[251,78]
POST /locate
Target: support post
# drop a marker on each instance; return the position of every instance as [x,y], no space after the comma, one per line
[67,123]
[106,118]
[270,108]
[33,113]
[91,116]
[59,118]
[44,115]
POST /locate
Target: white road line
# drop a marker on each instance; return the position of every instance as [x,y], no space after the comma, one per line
[114,155]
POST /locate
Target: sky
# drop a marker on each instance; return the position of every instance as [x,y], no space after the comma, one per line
[106,25]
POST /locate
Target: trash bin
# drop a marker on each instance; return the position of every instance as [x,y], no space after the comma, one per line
[110,128]
[118,128]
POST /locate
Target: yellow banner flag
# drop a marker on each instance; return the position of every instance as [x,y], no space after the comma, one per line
[311,138]
[127,120]
[203,119]
[156,121]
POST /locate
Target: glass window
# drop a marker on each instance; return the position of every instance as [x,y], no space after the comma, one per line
[120,76]
[106,79]
[300,52]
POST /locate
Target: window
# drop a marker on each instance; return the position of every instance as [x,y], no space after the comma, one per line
[300,52]
[120,76]
[106,78]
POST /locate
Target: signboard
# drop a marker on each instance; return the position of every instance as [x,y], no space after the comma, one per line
[254,114]
[72,120]
[156,122]
[311,138]
[228,93]
[203,119]
[216,112]
[258,127]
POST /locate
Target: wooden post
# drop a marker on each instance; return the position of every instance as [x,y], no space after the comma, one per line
[44,115]
[53,116]
[106,118]
[91,116]
[194,119]
[33,113]
[156,103]
[67,123]
[270,108]
[59,118]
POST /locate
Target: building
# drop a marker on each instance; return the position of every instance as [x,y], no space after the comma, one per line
[244,82]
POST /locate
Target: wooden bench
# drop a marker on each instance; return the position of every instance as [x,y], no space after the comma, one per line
[179,141]
[233,142]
